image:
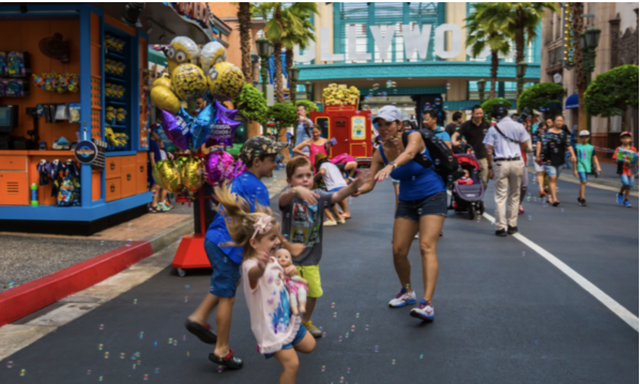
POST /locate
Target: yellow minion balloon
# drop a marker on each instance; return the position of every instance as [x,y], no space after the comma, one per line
[212,53]
[189,82]
[162,94]
[225,81]
[181,50]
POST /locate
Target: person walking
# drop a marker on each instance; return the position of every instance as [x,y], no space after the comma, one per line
[474,131]
[505,141]
[422,207]
[536,139]
[586,163]
[303,128]
[430,122]
[454,124]
[555,143]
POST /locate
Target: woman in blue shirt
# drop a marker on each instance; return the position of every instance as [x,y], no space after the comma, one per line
[422,206]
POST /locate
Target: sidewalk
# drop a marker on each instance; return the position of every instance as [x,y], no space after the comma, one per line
[32,262]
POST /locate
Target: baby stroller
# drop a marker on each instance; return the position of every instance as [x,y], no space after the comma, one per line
[468,198]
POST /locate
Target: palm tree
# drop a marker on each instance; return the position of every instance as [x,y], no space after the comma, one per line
[519,21]
[299,31]
[482,34]
[244,25]
[274,30]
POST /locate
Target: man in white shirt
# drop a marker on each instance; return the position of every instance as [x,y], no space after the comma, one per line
[504,142]
[303,128]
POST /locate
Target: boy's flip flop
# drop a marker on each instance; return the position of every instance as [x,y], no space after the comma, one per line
[202,332]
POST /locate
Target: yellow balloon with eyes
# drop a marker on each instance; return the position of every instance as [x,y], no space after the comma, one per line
[182,50]
[189,82]
[225,81]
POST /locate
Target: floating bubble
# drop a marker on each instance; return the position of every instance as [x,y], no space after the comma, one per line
[89,372]
[346,335]
[141,335]
[184,337]
[146,377]
[135,301]
[339,338]
[335,314]
[376,349]
[353,328]
[436,161]
[106,355]
[155,343]
[170,340]
[529,217]
[219,368]
[348,370]
[366,327]
[128,242]
[450,178]
[324,334]
[342,379]
[122,355]
[419,211]
[101,327]
[134,366]
[175,342]
[187,286]
[186,299]
[9,364]
[323,368]
[421,356]
[101,243]
[393,362]
[523,253]
[333,305]
[100,347]
[561,209]
[157,370]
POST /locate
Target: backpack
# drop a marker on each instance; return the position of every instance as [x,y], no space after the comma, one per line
[446,165]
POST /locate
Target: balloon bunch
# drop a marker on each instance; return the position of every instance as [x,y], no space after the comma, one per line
[221,167]
[196,73]
[60,83]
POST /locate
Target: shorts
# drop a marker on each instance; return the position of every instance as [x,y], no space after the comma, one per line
[552,171]
[628,181]
[226,273]
[582,176]
[435,204]
[394,181]
[302,331]
[311,273]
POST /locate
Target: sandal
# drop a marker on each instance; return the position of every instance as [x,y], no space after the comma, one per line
[201,331]
[556,203]
[153,209]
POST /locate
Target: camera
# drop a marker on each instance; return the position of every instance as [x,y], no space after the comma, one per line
[524,116]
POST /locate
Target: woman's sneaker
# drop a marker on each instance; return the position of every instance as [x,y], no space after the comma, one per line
[312,329]
[423,311]
[403,298]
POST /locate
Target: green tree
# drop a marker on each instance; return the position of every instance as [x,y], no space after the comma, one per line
[274,30]
[283,115]
[309,105]
[542,95]
[252,105]
[299,31]
[484,32]
[612,91]
[487,105]
[519,21]
[244,26]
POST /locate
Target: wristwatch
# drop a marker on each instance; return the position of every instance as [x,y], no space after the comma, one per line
[393,164]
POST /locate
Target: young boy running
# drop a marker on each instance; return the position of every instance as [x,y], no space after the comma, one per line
[259,155]
[586,155]
[627,157]
[302,223]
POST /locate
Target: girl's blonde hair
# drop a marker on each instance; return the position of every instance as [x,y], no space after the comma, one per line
[240,222]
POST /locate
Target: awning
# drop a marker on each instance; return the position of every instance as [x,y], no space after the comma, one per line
[572,102]
[552,107]
[156,57]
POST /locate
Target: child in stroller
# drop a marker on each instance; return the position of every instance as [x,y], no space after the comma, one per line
[467,192]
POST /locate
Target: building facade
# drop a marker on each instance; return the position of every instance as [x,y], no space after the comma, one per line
[418,48]
[618,45]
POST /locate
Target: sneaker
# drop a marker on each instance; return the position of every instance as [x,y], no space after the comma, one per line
[341,221]
[163,207]
[423,311]
[627,204]
[511,230]
[229,361]
[403,298]
[313,330]
[583,203]
[619,199]
[501,233]
[330,223]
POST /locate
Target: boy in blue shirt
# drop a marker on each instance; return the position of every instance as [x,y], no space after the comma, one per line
[430,122]
[259,155]
[585,155]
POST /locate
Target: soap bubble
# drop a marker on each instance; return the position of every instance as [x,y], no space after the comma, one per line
[393,362]
[436,161]
[357,315]
[9,364]
[122,355]
[100,347]
[366,327]
[101,327]
[106,355]
[323,368]
[141,335]
[135,301]
[89,372]
[340,338]
[376,349]
[157,370]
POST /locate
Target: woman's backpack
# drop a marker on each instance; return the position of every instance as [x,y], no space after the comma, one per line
[443,161]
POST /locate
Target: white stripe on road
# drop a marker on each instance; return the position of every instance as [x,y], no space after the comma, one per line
[596,292]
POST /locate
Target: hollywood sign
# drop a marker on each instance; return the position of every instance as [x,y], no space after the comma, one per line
[415,39]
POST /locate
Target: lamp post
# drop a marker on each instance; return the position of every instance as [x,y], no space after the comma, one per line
[293,81]
[265,49]
[481,84]
[521,69]
[588,43]
[307,88]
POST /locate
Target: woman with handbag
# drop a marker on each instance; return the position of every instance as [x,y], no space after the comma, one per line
[422,207]
[555,142]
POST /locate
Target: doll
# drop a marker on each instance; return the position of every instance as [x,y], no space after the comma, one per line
[297,286]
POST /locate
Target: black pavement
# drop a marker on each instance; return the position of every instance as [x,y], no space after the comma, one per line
[503,313]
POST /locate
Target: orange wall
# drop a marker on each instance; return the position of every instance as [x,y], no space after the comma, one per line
[25,36]
[224,9]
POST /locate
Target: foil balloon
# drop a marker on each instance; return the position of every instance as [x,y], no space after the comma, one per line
[167,175]
[165,99]
[212,53]
[230,113]
[189,82]
[181,50]
[222,130]
[225,81]
[217,164]
[168,145]
[192,175]
[201,128]
[176,127]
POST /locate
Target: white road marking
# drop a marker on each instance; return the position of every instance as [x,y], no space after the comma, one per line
[596,292]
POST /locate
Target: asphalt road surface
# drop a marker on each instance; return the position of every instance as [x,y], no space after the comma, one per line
[504,314]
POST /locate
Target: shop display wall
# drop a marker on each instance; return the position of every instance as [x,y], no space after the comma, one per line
[117,89]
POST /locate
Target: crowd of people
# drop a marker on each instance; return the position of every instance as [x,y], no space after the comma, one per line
[278,260]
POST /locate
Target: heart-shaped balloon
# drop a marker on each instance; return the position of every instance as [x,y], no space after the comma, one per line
[192,175]
[176,127]
[167,175]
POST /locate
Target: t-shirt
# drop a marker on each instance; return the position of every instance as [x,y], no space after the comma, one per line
[503,148]
[269,309]
[620,156]
[302,223]
[534,128]
[440,133]
[332,176]
[475,136]
[303,132]
[554,146]
[451,128]
[250,188]
[585,154]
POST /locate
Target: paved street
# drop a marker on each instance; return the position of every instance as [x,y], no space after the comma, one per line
[504,314]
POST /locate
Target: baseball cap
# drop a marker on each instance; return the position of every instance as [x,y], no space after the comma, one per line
[259,145]
[389,113]
[584,133]
[626,133]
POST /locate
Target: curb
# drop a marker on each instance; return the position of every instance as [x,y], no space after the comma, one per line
[35,295]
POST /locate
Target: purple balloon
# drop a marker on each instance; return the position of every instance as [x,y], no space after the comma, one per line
[221,166]
[176,127]
[222,130]
[229,113]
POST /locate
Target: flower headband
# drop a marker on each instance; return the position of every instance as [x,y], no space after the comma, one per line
[262,225]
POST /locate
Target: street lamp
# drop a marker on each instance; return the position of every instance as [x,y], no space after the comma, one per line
[481,85]
[521,69]
[265,49]
[307,87]
[588,43]
[293,80]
